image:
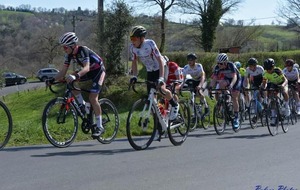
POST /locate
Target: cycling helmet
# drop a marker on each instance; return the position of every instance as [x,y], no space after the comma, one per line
[166,58]
[191,56]
[138,31]
[222,57]
[296,65]
[252,61]
[238,64]
[289,62]
[68,39]
[269,64]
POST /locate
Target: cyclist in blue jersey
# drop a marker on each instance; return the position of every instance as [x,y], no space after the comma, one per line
[92,68]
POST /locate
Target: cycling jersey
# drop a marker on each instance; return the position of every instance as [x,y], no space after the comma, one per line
[291,75]
[196,72]
[227,74]
[84,55]
[147,54]
[276,77]
[174,71]
[242,72]
[256,76]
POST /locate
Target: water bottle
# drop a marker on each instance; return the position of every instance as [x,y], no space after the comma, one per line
[87,107]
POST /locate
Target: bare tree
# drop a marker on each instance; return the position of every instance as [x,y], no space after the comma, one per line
[290,10]
[209,12]
[164,5]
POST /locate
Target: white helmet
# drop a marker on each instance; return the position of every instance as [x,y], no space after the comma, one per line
[296,65]
[222,57]
[68,39]
[166,58]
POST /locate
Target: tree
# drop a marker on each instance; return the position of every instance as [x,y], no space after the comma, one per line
[164,5]
[117,23]
[210,12]
[290,10]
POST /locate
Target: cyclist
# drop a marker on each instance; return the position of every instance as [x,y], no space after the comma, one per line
[92,69]
[273,77]
[196,71]
[147,52]
[172,72]
[292,75]
[253,76]
[241,70]
[228,76]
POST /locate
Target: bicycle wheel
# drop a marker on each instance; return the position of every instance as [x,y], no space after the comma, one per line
[285,121]
[253,114]
[194,117]
[5,125]
[219,118]
[60,123]
[272,118]
[178,130]
[293,107]
[110,121]
[205,118]
[242,108]
[141,125]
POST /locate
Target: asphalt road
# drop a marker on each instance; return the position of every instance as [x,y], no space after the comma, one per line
[247,160]
[18,88]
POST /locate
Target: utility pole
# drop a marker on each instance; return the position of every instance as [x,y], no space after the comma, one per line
[101,25]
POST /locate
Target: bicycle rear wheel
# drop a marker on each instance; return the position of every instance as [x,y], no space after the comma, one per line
[5,125]
[293,107]
[205,118]
[141,126]
[194,118]
[178,130]
[253,114]
[60,123]
[110,121]
[219,118]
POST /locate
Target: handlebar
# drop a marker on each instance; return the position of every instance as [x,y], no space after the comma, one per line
[70,86]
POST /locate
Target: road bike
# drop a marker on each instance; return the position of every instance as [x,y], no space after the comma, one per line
[292,102]
[223,113]
[60,118]
[198,114]
[6,125]
[275,112]
[146,121]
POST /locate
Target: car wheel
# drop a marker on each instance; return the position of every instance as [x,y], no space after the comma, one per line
[44,78]
[23,81]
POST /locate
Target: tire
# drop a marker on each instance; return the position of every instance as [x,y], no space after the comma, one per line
[110,121]
[293,107]
[205,119]
[140,128]
[253,114]
[60,123]
[285,121]
[44,78]
[194,117]
[5,125]
[273,105]
[219,118]
[179,129]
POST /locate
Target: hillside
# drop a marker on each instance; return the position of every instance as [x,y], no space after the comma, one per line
[29,40]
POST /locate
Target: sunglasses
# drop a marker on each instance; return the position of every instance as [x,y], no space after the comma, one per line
[221,63]
[134,38]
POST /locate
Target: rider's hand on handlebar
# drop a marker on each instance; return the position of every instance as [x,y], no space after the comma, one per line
[161,81]
[70,78]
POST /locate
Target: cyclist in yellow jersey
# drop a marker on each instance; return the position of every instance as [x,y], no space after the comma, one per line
[274,77]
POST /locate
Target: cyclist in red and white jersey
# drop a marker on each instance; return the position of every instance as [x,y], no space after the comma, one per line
[196,71]
[147,52]
[92,69]
[292,75]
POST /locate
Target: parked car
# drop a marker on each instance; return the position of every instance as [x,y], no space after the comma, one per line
[46,73]
[13,78]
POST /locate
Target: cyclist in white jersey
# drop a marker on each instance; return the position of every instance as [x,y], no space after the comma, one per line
[253,76]
[292,75]
[147,52]
[195,70]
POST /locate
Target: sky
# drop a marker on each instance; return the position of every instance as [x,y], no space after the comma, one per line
[263,11]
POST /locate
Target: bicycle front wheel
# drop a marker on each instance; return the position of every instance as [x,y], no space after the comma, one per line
[205,118]
[194,118]
[110,121]
[141,125]
[272,118]
[179,128]
[253,114]
[60,123]
[219,118]
[5,125]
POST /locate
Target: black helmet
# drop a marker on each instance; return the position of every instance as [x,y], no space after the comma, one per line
[191,56]
[269,64]
[289,62]
[138,31]
[252,61]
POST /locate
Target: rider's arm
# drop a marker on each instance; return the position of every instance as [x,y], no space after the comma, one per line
[202,80]
[102,78]
[134,66]
[161,66]
[234,79]
[62,72]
